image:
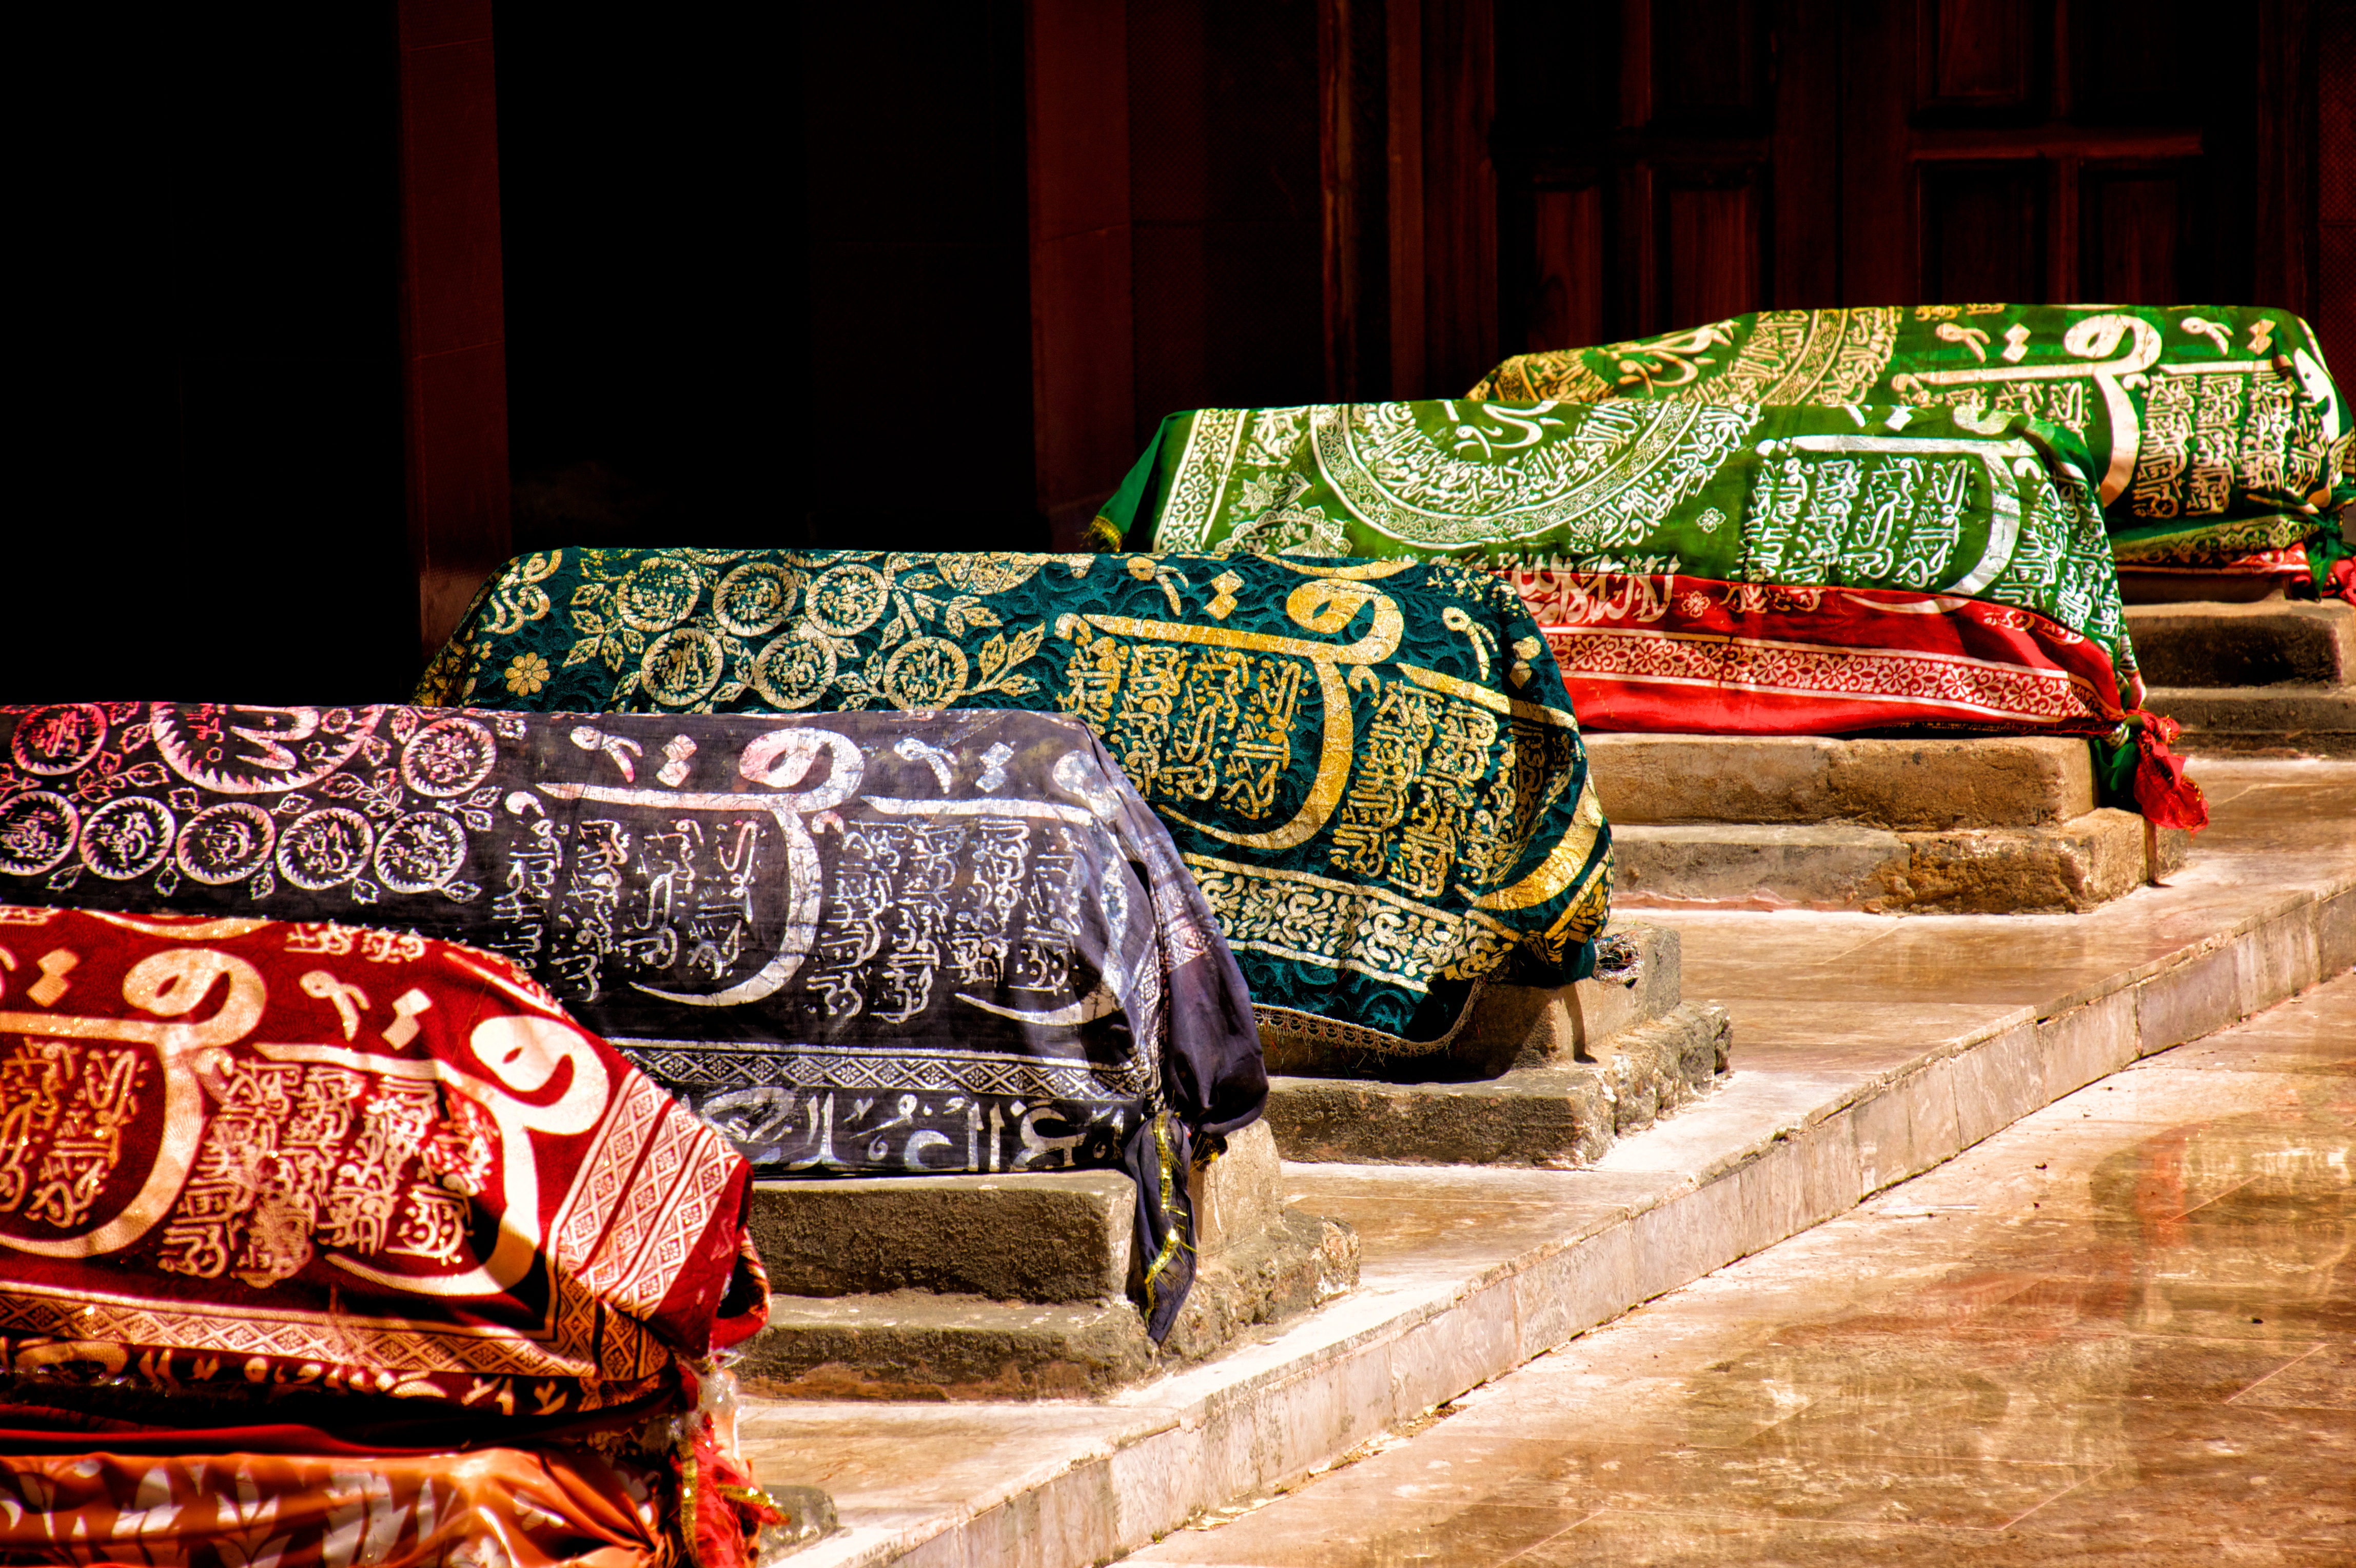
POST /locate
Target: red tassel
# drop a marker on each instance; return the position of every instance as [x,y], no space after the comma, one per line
[2342,583]
[2163,793]
[727,1509]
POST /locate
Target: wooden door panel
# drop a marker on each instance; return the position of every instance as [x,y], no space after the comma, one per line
[1708,61]
[1567,299]
[1983,231]
[2149,60]
[2132,248]
[1974,55]
[1711,251]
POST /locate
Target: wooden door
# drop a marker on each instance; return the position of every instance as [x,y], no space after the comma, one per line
[1664,163]
[2049,150]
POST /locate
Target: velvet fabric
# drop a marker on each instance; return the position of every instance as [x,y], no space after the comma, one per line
[247,1156]
[1370,768]
[858,943]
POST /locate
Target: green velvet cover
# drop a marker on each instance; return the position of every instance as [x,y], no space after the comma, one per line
[2216,430]
[1370,766]
[1930,499]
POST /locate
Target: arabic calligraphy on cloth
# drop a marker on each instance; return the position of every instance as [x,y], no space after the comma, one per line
[1929,502]
[1370,768]
[869,943]
[240,1154]
[2217,431]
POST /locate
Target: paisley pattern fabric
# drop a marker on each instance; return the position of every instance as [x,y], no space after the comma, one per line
[241,1154]
[1639,651]
[1370,768]
[1921,501]
[864,943]
[518,1507]
[2216,431]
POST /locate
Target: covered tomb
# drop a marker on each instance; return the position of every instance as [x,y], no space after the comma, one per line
[2222,447]
[857,943]
[1370,768]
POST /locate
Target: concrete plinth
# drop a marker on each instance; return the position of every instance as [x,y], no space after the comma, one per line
[2265,644]
[1559,1116]
[2277,678]
[1925,786]
[2262,721]
[1022,1285]
[1511,1025]
[1995,825]
[1872,1049]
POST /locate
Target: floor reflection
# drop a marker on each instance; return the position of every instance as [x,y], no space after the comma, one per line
[2120,1331]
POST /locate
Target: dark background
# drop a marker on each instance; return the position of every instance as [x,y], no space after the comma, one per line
[927,275]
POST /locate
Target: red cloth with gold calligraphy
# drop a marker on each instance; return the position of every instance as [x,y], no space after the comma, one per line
[243,1156]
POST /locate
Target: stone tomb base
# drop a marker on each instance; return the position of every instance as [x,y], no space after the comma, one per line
[2275,677]
[1537,1077]
[1019,1287]
[1989,826]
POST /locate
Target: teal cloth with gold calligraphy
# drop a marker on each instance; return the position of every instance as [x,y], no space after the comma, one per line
[2216,430]
[1370,766]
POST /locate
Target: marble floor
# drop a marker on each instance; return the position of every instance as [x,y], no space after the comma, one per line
[2121,1331]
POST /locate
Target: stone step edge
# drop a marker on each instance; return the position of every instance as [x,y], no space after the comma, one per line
[2057,868]
[1558,1116]
[2288,719]
[915,1345]
[1257,1432]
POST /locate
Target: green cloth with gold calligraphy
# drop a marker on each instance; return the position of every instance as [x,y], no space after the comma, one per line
[1929,500]
[1370,766]
[2217,431]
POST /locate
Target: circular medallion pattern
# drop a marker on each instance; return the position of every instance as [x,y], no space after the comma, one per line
[846,601]
[754,599]
[37,831]
[325,848]
[793,672]
[681,666]
[448,758]
[256,751]
[659,593]
[420,852]
[927,672]
[127,837]
[57,739]
[224,843]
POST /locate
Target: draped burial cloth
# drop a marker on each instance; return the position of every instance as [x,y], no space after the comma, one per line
[518,1509]
[2219,438]
[1743,570]
[1370,768]
[867,943]
[241,1156]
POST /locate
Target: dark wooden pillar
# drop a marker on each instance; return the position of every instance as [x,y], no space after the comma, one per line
[453,332]
[1407,98]
[1083,355]
[2331,130]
